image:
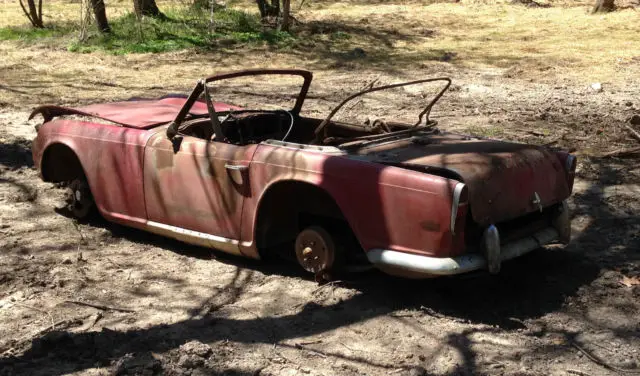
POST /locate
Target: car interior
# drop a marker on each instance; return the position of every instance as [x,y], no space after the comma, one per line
[245,127]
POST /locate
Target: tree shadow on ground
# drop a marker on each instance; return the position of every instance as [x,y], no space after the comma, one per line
[16,153]
[528,288]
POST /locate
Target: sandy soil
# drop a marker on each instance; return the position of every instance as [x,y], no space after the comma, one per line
[169,308]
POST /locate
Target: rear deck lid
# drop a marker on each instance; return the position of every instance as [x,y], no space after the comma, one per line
[505,180]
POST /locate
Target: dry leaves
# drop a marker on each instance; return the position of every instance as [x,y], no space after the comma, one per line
[629,281]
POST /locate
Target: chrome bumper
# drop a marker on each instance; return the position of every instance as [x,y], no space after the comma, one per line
[494,252]
[462,264]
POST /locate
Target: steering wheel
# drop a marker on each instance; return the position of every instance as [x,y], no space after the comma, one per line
[230,116]
[290,124]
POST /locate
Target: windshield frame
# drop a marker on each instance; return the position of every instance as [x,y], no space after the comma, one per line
[423,114]
[201,87]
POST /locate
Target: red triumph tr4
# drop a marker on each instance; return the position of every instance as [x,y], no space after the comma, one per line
[409,199]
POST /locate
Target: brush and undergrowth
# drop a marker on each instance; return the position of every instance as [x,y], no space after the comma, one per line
[181,28]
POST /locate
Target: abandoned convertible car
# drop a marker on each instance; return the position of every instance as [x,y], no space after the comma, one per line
[410,199]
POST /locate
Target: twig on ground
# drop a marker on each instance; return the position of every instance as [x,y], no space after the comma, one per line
[301,346]
[308,343]
[554,141]
[39,310]
[577,372]
[332,283]
[431,312]
[602,362]
[622,152]
[633,132]
[77,226]
[114,263]
[98,306]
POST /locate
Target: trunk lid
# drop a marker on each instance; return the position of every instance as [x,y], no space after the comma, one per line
[505,180]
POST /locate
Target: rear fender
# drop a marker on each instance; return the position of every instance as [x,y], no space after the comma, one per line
[386,207]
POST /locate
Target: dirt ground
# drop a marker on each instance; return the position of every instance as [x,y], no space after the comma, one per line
[169,308]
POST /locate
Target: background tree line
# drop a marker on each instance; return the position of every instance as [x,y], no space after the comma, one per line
[275,12]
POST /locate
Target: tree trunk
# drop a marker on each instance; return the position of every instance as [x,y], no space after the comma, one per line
[268,10]
[286,19]
[274,11]
[100,15]
[147,8]
[34,14]
[603,6]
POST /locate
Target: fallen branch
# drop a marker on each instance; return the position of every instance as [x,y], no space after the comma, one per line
[577,372]
[602,362]
[97,306]
[622,152]
[633,132]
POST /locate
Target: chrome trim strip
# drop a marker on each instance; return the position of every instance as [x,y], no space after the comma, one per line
[198,238]
[569,162]
[457,191]
[296,146]
[461,264]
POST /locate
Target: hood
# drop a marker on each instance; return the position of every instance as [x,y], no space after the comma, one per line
[503,179]
[141,114]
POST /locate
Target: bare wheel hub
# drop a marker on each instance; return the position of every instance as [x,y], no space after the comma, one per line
[315,249]
[78,198]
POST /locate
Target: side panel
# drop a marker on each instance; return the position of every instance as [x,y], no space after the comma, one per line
[111,157]
[387,207]
[189,186]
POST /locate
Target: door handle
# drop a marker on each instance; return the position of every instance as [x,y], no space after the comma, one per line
[233,167]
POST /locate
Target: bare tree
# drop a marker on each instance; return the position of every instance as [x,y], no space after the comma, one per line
[268,10]
[281,12]
[100,14]
[603,6]
[147,8]
[286,15]
[34,14]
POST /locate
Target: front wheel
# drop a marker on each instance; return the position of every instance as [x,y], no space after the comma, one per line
[79,199]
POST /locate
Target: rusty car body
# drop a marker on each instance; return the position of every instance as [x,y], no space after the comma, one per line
[408,198]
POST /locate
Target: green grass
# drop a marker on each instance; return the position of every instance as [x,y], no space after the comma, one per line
[182,28]
[30,34]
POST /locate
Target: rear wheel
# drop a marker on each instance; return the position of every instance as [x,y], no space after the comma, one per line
[79,199]
[317,253]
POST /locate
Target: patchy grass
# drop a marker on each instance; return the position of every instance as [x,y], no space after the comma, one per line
[182,28]
[543,44]
[31,34]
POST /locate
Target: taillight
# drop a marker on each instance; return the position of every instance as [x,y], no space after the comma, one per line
[569,163]
[458,205]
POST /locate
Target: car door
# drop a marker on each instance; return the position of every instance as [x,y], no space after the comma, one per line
[194,189]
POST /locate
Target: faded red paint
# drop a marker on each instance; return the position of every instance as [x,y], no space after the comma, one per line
[143,114]
[394,195]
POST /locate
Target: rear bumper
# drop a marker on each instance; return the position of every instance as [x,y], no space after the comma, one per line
[434,266]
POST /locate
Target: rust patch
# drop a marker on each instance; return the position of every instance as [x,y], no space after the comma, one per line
[163,158]
[430,226]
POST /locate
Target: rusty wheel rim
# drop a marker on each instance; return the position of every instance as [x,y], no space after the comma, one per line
[78,198]
[315,249]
